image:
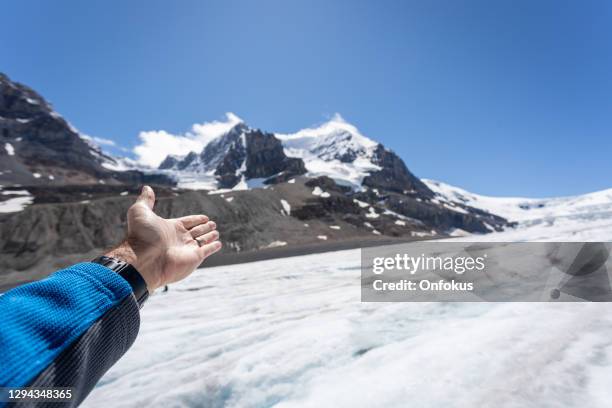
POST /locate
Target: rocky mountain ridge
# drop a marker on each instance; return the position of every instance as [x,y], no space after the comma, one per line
[336,150]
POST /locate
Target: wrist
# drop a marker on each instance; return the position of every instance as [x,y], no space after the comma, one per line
[124,252]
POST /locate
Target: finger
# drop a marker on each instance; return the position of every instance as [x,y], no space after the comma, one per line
[203,229]
[208,238]
[191,221]
[146,197]
[207,250]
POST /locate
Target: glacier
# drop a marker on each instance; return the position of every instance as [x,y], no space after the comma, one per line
[293,332]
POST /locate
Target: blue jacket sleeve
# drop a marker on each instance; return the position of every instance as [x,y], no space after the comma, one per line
[66,330]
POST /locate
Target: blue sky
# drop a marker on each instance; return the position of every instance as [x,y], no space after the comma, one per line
[501,98]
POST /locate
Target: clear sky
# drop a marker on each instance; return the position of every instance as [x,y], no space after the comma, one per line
[498,97]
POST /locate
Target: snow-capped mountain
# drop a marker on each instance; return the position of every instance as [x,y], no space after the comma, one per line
[244,156]
[237,159]
[337,157]
[335,149]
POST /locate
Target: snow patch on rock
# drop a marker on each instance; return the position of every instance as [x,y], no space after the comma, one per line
[286,206]
[276,244]
[10,150]
[320,193]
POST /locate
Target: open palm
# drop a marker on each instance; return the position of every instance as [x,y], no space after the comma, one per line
[167,250]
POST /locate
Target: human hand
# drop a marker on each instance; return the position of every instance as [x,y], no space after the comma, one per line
[165,250]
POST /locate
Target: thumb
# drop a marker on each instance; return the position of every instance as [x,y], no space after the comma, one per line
[146,197]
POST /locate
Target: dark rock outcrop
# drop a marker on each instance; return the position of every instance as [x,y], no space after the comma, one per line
[394,175]
[327,184]
[265,157]
[228,171]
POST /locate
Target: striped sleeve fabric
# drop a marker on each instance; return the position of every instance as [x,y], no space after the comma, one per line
[66,330]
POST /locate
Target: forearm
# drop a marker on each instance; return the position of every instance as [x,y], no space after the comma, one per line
[66,330]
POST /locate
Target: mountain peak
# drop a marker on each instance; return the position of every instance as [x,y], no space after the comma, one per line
[337,129]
